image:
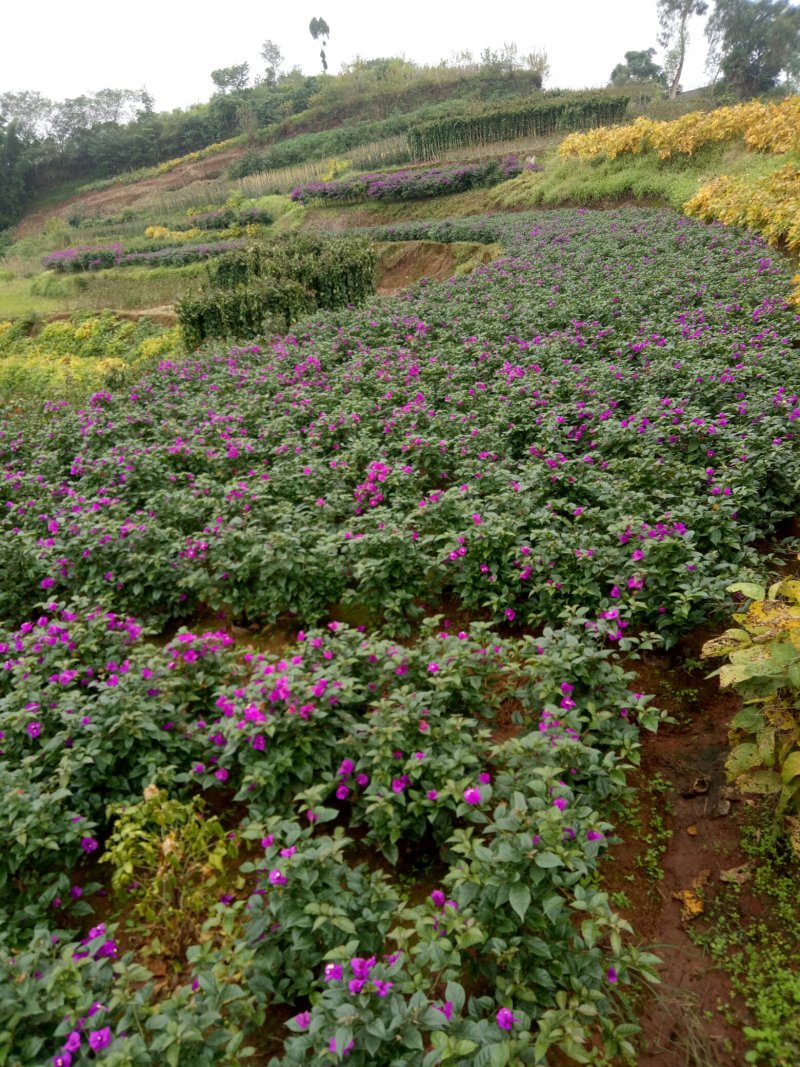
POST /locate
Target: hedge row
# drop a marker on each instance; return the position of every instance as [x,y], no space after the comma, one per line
[502,123]
[264,288]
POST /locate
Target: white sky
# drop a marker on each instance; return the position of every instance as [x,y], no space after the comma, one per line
[170,46]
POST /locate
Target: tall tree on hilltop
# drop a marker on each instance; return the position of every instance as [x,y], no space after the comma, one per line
[273,61]
[673,16]
[320,28]
[753,42]
[638,67]
[231,79]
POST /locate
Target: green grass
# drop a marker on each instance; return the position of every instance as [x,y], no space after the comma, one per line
[17,301]
[759,951]
[646,178]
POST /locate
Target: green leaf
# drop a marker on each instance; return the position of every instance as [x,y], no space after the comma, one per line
[762,782]
[791,766]
[742,758]
[548,859]
[748,589]
[519,897]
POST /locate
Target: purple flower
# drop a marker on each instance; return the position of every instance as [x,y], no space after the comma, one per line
[62,1059]
[560,803]
[611,975]
[73,1042]
[447,1010]
[100,1039]
[277,877]
[303,1020]
[34,728]
[88,844]
[472,795]
[333,972]
[432,794]
[505,1019]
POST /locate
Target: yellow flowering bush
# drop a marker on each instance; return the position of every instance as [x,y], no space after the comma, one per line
[165,234]
[770,205]
[763,127]
[69,356]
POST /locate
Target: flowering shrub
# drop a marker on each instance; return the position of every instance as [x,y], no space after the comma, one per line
[581,439]
[101,256]
[764,127]
[410,184]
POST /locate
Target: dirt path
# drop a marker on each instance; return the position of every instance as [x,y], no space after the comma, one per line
[675,850]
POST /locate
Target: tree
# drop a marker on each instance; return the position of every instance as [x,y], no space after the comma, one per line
[673,15]
[273,61]
[231,79]
[638,67]
[29,111]
[320,28]
[13,172]
[753,42]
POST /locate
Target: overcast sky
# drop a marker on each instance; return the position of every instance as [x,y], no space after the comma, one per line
[170,47]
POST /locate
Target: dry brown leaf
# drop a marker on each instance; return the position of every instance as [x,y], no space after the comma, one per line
[739,875]
[691,831]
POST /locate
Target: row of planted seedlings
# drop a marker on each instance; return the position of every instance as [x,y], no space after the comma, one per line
[176,243]
[316,763]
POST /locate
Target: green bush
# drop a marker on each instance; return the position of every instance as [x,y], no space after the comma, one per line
[501,123]
[262,289]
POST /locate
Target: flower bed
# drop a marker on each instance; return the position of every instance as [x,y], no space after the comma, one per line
[99,257]
[577,443]
[411,184]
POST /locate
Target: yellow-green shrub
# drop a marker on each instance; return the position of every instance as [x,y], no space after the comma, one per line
[763,127]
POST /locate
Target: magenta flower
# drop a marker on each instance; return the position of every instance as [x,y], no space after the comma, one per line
[73,1042]
[433,668]
[100,1039]
[333,972]
[447,1010]
[62,1059]
[611,975]
[432,794]
[277,877]
[34,729]
[505,1019]
[88,844]
[303,1020]
[472,795]
[560,803]
[345,1051]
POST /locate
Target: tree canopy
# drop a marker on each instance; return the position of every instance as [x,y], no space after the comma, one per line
[753,43]
[638,67]
[673,16]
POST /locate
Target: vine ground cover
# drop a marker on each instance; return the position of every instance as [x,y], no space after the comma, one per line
[585,438]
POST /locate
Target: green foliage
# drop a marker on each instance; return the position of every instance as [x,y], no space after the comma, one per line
[534,118]
[638,67]
[168,860]
[764,655]
[754,42]
[757,946]
[263,289]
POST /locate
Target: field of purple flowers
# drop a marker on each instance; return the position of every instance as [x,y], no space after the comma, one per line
[416,184]
[578,446]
